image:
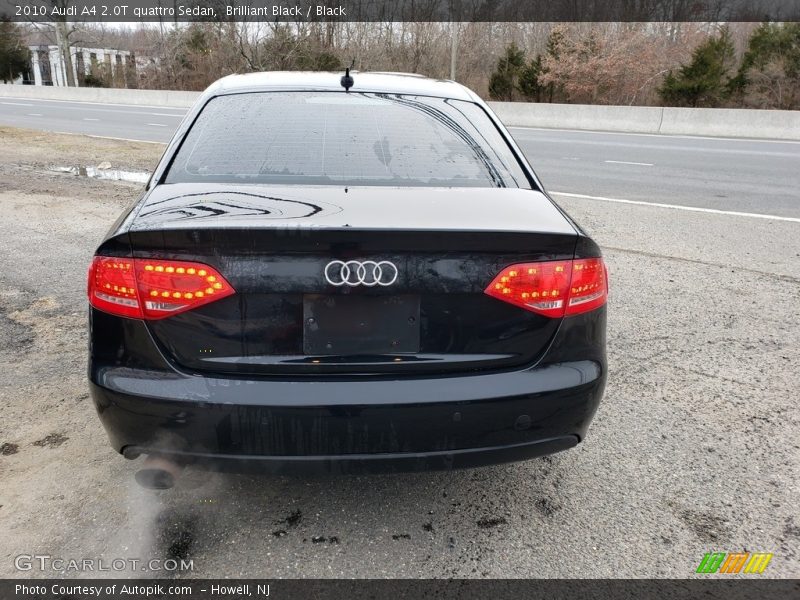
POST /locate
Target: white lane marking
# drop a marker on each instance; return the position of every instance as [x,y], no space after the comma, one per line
[712,211]
[105,104]
[108,137]
[15,104]
[34,114]
[157,124]
[165,115]
[570,158]
[658,135]
[88,119]
[626,162]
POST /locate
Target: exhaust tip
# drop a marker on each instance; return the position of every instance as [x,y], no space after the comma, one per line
[131,452]
[155,479]
[158,473]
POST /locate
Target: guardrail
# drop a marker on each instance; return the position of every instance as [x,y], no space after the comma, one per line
[723,122]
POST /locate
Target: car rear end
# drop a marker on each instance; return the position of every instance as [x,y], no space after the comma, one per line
[267,306]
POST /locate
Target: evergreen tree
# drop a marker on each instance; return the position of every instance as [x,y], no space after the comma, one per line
[769,76]
[706,80]
[14,54]
[555,41]
[315,59]
[503,81]
[529,85]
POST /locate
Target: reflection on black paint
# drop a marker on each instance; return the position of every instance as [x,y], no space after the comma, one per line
[233,204]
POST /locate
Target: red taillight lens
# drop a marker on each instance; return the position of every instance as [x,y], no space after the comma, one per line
[589,286]
[153,289]
[555,288]
[112,286]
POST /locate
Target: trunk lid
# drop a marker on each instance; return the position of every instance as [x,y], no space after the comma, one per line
[273,245]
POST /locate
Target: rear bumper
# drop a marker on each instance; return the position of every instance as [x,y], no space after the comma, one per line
[366,463]
[354,425]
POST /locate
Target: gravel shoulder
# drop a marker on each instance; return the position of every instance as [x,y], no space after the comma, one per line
[695,447]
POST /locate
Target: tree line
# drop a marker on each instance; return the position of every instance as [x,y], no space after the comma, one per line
[594,69]
[675,64]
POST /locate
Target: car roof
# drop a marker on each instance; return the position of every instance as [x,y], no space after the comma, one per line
[379,82]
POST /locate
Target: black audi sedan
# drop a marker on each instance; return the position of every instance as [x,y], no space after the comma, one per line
[341,274]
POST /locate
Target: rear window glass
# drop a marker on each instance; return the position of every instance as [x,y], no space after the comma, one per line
[333,138]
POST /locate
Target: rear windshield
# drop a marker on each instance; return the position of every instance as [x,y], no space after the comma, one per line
[333,138]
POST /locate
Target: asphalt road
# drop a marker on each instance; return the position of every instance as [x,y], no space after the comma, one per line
[754,176]
[153,124]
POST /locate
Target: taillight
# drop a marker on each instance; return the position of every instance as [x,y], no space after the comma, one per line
[152,289]
[589,286]
[554,288]
[112,286]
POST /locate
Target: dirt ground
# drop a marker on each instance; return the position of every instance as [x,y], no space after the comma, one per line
[695,448]
[28,148]
[48,443]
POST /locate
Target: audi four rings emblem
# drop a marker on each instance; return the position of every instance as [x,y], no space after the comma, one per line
[353,273]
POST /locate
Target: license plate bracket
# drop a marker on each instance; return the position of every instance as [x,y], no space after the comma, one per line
[360,325]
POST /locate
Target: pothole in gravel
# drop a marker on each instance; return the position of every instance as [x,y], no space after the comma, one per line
[490,522]
[7,449]
[708,527]
[54,440]
[107,174]
[27,320]
[16,334]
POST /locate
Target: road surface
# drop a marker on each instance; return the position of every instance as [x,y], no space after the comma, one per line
[750,176]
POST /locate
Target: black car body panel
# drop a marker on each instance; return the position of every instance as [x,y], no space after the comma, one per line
[238,206]
[274,257]
[363,423]
[243,382]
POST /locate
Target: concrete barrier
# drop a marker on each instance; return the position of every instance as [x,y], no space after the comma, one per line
[732,122]
[634,119]
[163,98]
[725,122]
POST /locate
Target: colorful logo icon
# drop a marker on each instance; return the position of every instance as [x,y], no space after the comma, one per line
[734,562]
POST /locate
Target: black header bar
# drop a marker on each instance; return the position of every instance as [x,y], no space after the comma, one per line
[734,588]
[166,11]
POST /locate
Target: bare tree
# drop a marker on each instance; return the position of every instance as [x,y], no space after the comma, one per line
[612,63]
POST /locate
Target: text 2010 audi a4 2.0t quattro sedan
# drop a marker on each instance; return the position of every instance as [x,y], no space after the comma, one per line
[319,277]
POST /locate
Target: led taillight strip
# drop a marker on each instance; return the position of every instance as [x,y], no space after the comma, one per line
[153,289]
[553,288]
